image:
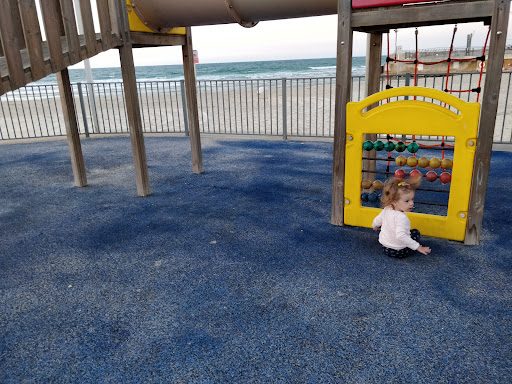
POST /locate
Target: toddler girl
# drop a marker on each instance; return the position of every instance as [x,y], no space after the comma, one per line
[395,236]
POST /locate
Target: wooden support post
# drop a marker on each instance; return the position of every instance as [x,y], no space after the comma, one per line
[373,71]
[192,111]
[132,104]
[343,88]
[134,119]
[68,111]
[484,140]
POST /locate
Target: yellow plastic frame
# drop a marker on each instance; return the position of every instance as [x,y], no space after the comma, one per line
[413,117]
[136,24]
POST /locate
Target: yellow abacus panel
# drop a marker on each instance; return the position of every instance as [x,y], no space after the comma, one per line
[414,117]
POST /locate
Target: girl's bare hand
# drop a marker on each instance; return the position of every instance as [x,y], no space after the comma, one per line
[424,250]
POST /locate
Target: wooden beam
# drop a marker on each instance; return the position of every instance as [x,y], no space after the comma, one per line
[54,29]
[343,85]
[73,136]
[105,24]
[13,13]
[421,15]
[116,7]
[142,39]
[373,71]
[33,38]
[13,41]
[1,48]
[132,105]
[71,30]
[192,110]
[2,90]
[88,25]
[489,108]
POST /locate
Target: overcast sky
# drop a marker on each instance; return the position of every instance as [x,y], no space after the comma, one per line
[312,37]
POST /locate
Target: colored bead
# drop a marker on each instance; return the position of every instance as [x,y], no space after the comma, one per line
[413,147]
[378,145]
[400,147]
[446,164]
[368,145]
[412,161]
[400,174]
[389,146]
[366,184]
[423,162]
[431,176]
[377,184]
[434,162]
[445,177]
[400,160]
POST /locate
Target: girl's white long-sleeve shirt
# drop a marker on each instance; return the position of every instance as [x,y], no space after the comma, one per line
[394,229]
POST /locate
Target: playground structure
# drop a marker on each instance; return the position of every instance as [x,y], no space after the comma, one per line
[25,57]
[429,119]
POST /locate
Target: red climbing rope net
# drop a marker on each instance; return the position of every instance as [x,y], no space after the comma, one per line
[448,60]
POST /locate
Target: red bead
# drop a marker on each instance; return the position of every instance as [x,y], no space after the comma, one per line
[414,173]
[431,176]
[400,174]
[445,177]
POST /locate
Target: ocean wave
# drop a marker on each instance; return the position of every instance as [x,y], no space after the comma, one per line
[322,68]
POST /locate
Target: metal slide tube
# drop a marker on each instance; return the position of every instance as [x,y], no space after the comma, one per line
[162,15]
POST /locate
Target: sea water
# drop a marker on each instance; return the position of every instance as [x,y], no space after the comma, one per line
[276,69]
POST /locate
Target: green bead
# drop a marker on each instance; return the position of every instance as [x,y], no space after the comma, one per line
[378,145]
[368,145]
[389,146]
[413,147]
[400,147]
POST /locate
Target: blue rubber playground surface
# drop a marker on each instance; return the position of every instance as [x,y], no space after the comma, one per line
[235,275]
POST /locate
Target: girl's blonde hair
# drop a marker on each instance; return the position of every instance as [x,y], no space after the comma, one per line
[393,187]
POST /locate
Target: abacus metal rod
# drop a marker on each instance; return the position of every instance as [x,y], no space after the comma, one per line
[428,203]
[432,190]
[438,148]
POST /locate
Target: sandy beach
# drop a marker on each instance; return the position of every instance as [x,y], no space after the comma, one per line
[240,107]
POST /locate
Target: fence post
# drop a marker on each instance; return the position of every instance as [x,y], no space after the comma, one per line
[184,105]
[285,133]
[82,107]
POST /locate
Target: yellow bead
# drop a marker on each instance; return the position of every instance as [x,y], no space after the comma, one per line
[435,162]
[423,162]
[446,164]
[366,184]
[377,185]
[400,160]
[412,161]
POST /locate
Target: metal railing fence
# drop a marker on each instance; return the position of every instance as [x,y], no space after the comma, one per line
[291,107]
